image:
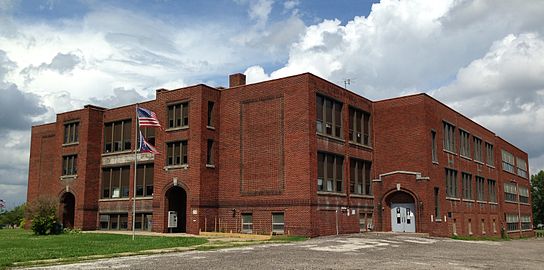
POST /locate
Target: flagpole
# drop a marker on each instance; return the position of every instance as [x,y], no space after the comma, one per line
[137,129]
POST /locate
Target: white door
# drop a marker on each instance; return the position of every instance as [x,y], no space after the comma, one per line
[403,218]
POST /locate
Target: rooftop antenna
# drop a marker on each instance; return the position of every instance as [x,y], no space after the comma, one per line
[347,82]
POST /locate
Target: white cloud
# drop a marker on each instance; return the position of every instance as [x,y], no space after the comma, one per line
[404,46]
[485,56]
[504,90]
[259,11]
[290,4]
[112,56]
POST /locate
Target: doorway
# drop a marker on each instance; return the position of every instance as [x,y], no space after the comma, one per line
[68,205]
[403,212]
[402,217]
[176,200]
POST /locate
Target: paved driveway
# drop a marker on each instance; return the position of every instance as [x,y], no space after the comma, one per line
[347,252]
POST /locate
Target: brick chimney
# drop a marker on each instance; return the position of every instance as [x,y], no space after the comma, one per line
[237,79]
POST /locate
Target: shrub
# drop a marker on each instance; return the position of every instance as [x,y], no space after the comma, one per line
[43,214]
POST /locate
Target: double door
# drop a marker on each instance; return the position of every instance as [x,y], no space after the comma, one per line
[403,218]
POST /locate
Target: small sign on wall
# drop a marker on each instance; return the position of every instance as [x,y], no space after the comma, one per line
[172,219]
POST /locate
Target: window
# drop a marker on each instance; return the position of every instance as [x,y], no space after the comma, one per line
[490,155]
[469,226]
[71,132]
[510,192]
[433,138]
[526,222]
[117,136]
[143,221]
[115,182]
[114,222]
[360,182]
[247,223]
[176,153]
[480,183]
[451,183]
[521,165]
[449,137]
[483,226]
[492,190]
[144,180]
[467,186]
[512,222]
[69,165]
[523,194]
[359,126]
[329,172]
[329,116]
[210,114]
[209,158]
[478,155]
[149,135]
[178,115]
[278,223]
[437,203]
[464,143]
[507,161]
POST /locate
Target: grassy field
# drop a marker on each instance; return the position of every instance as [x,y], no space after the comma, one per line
[22,246]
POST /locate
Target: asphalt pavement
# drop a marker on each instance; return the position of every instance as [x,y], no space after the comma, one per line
[358,251]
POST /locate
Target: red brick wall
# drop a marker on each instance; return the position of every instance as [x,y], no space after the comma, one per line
[265,161]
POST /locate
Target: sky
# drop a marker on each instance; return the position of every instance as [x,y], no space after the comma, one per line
[484,58]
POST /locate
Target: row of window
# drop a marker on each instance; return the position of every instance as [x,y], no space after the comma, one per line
[115,181]
[330,174]
[465,145]
[278,223]
[117,135]
[511,193]
[452,187]
[513,222]
[508,164]
[329,121]
[143,221]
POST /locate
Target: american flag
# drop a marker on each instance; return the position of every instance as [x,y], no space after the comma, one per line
[145,147]
[147,118]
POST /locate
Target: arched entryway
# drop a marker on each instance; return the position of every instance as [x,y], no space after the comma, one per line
[403,211]
[176,202]
[67,207]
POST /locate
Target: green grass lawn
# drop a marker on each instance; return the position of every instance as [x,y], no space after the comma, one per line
[23,246]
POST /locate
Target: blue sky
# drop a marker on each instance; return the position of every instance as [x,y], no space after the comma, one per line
[484,58]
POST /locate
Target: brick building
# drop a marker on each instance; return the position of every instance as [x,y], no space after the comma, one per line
[296,155]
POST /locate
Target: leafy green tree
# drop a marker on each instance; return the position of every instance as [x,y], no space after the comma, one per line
[537,197]
[13,217]
[42,212]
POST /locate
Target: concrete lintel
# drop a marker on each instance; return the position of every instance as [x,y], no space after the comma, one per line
[416,174]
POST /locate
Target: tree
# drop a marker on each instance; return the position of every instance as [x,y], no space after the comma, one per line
[537,197]
[13,217]
[43,214]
